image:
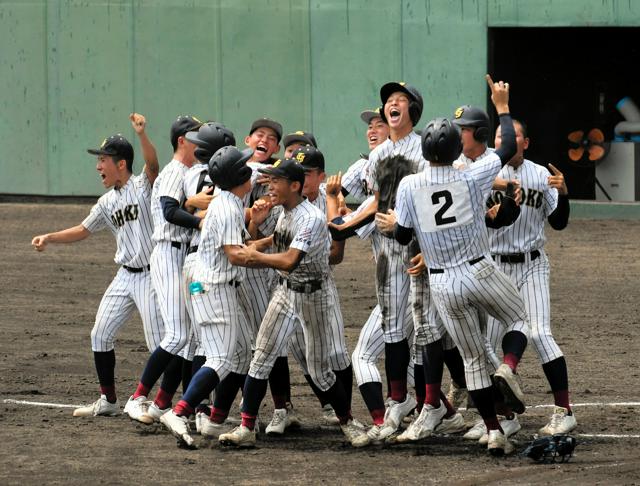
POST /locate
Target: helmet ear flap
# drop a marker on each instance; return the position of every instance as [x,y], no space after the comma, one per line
[415,112]
[481,134]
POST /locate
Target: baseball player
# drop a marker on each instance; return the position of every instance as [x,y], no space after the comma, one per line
[301,243]
[444,207]
[518,251]
[296,140]
[355,178]
[126,212]
[217,310]
[173,227]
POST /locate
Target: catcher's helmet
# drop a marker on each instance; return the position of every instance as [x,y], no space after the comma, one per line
[228,167]
[441,141]
[472,116]
[415,99]
[556,448]
[210,138]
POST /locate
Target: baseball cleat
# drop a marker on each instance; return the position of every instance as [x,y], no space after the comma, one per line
[278,423]
[425,425]
[153,414]
[293,419]
[179,428]
[562,421]
[509,427]
[355,434]
[199,421]
[378,433]
[136,409]
[507,383]
[451,425]
[396,411]
[498,444]
[241,436]
[478,430]
[101,407]
[456,395]
[329,415]
[211,429]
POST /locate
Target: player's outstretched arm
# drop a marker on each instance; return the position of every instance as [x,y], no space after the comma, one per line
[364,217]
[500,99]
[69,235]
[151,166]
[559,218]
[249,256]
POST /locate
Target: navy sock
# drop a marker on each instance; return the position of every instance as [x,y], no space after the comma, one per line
[187,373]
[514,342]
[556,373]
[345,377]
[172,375]
[105,366]
[372,395]
[455,365]
[253,394]
[280,382]
[322,396]
[227,390]
[433,359]
[156,365]
[202,384]
[197,363]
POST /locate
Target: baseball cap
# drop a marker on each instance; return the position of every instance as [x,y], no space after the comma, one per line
[309,157]
[115,146]
[394,86]
[286,168]
[182,125]
[269,123]
[471,116]
[368,115]
[305,138]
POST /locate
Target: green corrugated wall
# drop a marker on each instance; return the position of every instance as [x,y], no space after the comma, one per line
[73,70]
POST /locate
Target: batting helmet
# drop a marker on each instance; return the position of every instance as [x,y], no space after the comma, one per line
[210,138]
[556,448]
[472,116]
[441,141]
[228,167]
[415,99]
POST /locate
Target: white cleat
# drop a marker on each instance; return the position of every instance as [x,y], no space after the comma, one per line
[179,428]
[101,407]
[241,436]
[199,421]
[397,411]
[153,413]
[509,427]
[213,430]
[477,431]
[561,422]
[451,425]
[329,415]
[355,434]
[508,385]
[136,409]
[498,444]
[278,423]
[425,425]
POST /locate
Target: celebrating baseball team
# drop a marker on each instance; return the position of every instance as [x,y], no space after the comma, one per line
[227,254]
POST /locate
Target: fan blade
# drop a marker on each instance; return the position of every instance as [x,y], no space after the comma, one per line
[576,154]
[596,152]
[576,137]
[595,135]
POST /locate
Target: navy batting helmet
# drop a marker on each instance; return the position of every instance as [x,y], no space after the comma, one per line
[473,117]
[556,448]
[228,167]
[415,99]
[441,141]
[210,138]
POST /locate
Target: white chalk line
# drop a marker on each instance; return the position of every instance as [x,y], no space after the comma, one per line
[586,404]
[40,404]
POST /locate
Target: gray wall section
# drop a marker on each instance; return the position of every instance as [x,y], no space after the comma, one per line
[73,70]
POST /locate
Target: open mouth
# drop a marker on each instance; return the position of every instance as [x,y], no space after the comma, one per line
[262,149]
[394,113]
[103,177]
[373,138]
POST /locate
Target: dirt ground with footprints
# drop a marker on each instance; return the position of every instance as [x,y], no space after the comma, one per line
[48,303]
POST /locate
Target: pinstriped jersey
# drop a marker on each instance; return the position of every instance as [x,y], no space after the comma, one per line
[355,180]
[223,225]
[170,183]
[539,200]
[410,147]
[304,228]
[463,161]
[196,176]
[321,201]
[126,212]
[368,230]
[445,206]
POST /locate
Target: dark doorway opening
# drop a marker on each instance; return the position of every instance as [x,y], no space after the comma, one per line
[565,79]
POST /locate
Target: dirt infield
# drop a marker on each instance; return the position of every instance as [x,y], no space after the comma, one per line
[48,303]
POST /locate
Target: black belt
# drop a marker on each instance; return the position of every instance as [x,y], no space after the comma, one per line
[136,270]
[516,257]
[304,288]
[470,262]
[192,249]
[176,244]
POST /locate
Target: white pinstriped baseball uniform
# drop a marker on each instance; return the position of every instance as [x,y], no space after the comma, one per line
[393,285]
[526,237]
[446,209]
[225,335]
[303,228]
[168,256]
[126,212]
[370,346]
[355,179]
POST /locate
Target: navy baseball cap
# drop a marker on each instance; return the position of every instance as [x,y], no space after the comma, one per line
[394,86]
[182,125]
[288,169]
[305,138]
[309,157]
[368,115]
[115,146]
[268,123]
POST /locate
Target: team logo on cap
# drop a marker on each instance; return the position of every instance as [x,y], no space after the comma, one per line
[277,163]
[402,83]
[459,112]
[299,132]
[104,142]
[300,157]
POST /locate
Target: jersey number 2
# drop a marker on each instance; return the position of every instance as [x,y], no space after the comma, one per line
[448,202]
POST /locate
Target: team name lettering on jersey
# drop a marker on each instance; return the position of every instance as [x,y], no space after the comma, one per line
[530,197]
[121,216]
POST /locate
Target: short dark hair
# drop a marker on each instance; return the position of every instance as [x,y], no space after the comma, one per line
[523,125]
[116,159]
